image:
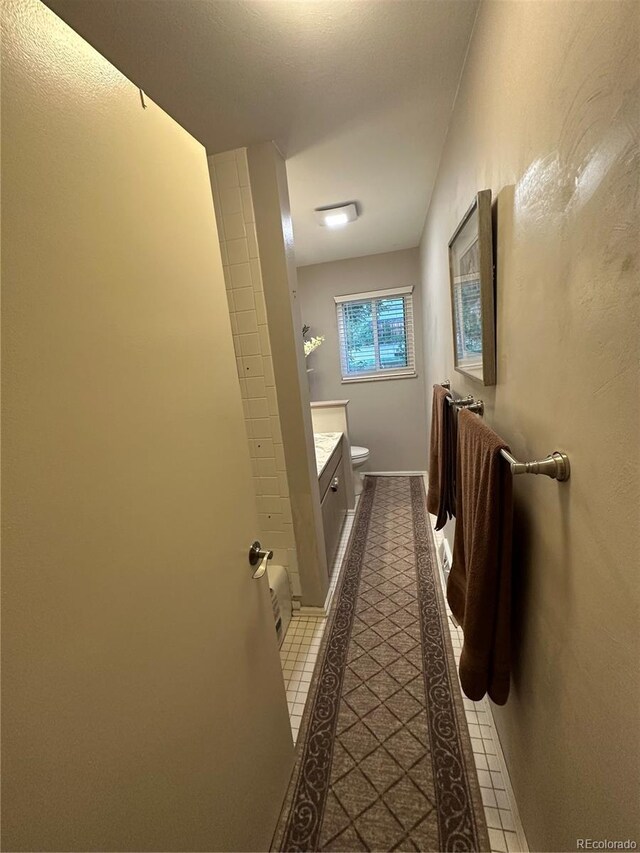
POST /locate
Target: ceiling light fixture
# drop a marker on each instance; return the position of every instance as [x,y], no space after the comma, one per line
[335,217]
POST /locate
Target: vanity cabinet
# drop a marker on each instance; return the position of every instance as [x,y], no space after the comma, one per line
[333,499]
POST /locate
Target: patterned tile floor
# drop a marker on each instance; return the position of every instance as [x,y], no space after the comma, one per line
[298,655]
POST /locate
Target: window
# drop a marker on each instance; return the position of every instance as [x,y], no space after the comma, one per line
[376,334]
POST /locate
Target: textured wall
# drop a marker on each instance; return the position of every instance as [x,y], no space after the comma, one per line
[386,416]
[547,117]
[245,294]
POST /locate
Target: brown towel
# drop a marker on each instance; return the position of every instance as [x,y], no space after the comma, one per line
[448,463]
[441,496]
[479,586]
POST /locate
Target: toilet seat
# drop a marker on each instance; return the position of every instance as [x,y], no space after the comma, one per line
[359,452]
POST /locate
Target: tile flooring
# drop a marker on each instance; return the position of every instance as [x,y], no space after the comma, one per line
[505,830]
[301,644]
[298,655]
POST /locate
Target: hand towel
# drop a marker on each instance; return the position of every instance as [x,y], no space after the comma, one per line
[441,492]
[479,586]
[447,466]
[441,495]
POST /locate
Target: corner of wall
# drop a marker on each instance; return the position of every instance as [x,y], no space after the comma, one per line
[235,216]
[275,241]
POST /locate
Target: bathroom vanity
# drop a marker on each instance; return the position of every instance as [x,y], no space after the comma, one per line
[330,462]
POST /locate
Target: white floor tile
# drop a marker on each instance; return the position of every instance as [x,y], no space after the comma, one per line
[502,800]
[497,781]
[493,817]
[513,845]
[493,762]
[481,761]
[497,841]
[488,797]
[506,818]
[484,778]
[301,645]
[489,746]
[477,746]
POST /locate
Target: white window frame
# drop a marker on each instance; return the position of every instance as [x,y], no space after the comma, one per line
[380,372]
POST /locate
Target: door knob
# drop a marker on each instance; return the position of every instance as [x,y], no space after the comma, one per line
[259,557]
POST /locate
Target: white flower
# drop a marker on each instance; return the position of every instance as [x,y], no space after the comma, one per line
[311,344]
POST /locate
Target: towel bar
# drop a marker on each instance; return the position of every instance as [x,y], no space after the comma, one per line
[469,403]
[556,465]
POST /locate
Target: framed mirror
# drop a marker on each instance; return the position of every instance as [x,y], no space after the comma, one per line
[472,302]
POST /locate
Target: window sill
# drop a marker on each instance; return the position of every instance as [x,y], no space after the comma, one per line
[381,378]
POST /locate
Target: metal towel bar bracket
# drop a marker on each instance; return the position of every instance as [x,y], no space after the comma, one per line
[477,407]
[556,465]
[469,403]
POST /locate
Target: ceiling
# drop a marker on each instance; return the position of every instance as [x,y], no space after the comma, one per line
[356,94]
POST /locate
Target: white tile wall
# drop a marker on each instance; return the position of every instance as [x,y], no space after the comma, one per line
[243,279]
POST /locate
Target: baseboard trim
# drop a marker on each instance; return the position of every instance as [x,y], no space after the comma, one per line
[306,610]
[395,473]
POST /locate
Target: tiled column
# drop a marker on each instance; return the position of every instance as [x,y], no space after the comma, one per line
[243,279]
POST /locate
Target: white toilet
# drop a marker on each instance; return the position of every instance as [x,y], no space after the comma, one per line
[359,455]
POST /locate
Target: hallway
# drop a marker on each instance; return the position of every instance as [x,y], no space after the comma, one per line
[273,271]
[379,763]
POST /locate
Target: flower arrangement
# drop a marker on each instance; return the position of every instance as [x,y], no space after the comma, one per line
[312,343]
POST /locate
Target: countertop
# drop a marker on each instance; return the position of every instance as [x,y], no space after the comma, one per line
[326,443]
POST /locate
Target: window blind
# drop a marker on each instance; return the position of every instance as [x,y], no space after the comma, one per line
[376,334]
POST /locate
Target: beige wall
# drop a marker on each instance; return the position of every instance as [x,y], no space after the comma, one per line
[547,117]
[245,294]
[143,706]
[386,416]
